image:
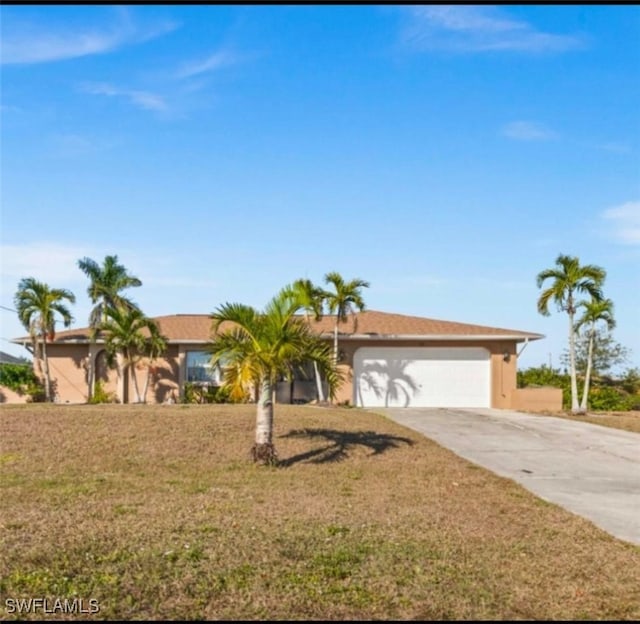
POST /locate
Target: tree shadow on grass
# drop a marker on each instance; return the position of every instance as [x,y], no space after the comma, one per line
[339,443]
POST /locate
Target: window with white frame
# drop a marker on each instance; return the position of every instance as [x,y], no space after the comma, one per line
[200,370]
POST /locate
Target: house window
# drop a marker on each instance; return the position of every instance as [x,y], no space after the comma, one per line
[200,370]
[302,372]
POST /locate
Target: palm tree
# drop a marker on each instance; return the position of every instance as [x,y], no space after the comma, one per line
[105,287]
[569,279]
[345,299]
[312,299]
[129,336]
[155,346]
[259,347]
[107,283]
[37,305]
[594,312]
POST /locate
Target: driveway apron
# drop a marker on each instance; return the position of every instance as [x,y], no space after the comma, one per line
[590,470]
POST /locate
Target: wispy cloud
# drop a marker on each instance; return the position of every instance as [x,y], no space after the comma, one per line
[180,282]
[408,283]
[479,29]
[48,262]
[72,144]
[497,283]
[528,131]
[624,221]
[26,43]
[141,99]
[211,63]
[8,108]
[616,148]
[544,242]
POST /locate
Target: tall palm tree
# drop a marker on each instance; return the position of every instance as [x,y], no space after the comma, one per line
[258,347]
[37,305]
[568,280]
[129,336]
[344,300]
[106,285]
[312,299]
[594,312]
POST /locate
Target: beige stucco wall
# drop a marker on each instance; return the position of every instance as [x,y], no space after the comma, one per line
[537,399]
[68,370]
[163,384]
[7,395]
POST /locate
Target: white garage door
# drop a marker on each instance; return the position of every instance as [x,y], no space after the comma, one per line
[422,377]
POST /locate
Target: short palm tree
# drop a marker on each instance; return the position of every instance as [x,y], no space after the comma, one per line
[37,305]
[155,345]
[256,348]
[568,280]
[344,300]
[594,313]
[129,336]
[105,291]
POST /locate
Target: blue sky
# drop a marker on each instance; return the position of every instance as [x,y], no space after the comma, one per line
[446,154]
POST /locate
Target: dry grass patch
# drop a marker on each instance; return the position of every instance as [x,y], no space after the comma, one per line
[157,513]
[627,421]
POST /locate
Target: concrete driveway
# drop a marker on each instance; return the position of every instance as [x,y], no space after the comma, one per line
[589,470]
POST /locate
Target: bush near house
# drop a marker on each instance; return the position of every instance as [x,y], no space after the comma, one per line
[100,395]
[196,393]
[21,379]
[606,393]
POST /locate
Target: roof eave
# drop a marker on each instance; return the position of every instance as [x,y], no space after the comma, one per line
[326,335]
[442,337]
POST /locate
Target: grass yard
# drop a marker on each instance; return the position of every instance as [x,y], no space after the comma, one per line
[157,513]
[627,421]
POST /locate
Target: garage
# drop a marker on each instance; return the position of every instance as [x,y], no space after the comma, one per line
[422,377]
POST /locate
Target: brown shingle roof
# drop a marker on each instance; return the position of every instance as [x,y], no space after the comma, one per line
[197,328]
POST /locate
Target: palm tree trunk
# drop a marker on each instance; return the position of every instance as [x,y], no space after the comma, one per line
[335,343]
[146,384]
[132,367]
[587,376]
[319,387]
[91,380]
[263,450]
[575,408]
[45,365]
[121,368]
[37,358]
[316,372]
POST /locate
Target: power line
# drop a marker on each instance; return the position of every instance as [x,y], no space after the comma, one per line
[8,309]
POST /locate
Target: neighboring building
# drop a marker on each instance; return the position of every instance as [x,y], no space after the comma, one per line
[389,359]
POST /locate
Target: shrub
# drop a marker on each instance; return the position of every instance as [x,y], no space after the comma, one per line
[195,393]
[21,379]
[630,381]
[610,399]
[100,395]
